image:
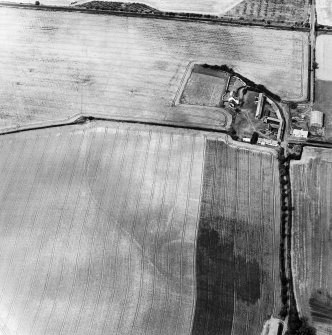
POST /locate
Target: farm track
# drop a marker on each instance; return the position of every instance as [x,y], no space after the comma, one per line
[56,64]
[112,247]
[238,241]
[311,240]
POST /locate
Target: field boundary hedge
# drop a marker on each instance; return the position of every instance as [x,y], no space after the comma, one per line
[296,325]
[191,17]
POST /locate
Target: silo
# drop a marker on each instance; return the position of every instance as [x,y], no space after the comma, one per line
[316,119]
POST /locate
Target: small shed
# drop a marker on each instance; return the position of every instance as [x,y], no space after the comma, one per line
[316,119]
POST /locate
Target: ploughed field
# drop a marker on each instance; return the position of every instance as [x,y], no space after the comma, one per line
[237,264]
[311,179]
[108,228]
[54,64]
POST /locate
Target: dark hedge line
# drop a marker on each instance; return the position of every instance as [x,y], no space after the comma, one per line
[296,325]
[253,86]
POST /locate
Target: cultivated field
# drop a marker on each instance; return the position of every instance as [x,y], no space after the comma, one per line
[56,64]
[237,261]
[108,228]
[323,84]
[311,179]
[98,226]
[323,57]
[324,12]
[284,11]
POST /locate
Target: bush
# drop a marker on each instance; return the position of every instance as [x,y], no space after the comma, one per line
[305,328]
[284,311]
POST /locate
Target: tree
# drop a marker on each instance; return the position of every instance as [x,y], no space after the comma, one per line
[254,138]
[305,328]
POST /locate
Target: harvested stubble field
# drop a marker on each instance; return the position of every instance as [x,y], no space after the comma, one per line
[54,64]
[284,11]
[311,179]
[100,226]
[237,265]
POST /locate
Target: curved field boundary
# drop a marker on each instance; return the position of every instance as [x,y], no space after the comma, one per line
[98,228]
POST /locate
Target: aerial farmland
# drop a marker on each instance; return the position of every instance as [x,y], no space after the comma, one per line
[160,168]
[118,227]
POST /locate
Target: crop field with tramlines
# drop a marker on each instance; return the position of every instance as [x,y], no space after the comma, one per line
[108,228]
[311,179]
[98,227]
[237,265]
[54,64]
[283,11]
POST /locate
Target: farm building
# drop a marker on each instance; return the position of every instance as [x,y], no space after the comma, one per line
[300,133]
[260,105]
